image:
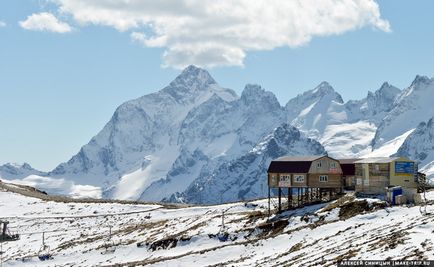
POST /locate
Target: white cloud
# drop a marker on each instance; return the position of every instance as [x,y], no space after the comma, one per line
[2,24]
[214,33]
[45,22]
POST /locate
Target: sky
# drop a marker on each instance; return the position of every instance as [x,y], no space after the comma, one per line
[65,65]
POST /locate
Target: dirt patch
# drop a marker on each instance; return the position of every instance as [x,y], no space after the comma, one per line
[166,243]
[273,228]
[347,255]
[296,247]
[351,209]
[339,202]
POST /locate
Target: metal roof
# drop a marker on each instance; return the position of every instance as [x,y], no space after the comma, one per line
[378,160]
[299,158]
[293,164]
[348,161]
[289,166]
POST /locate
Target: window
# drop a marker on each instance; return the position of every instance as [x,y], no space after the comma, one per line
[332,164]
[273,179]
[285,180]
[299,178]
[377,167]
[323,178]
[318,164]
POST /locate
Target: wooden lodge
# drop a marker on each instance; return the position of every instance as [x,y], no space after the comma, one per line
[304,179]
[311,179]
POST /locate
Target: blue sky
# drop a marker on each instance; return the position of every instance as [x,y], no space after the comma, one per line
[59,87]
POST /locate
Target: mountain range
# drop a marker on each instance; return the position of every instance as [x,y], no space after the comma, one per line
[197,142]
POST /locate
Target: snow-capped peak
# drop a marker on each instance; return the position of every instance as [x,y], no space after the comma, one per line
[17,170]
[254,93]
[382,99]
[388,90]
[193,77]
[24,166]
[324,89]
[420,79]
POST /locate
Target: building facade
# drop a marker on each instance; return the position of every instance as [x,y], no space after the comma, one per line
[374,175]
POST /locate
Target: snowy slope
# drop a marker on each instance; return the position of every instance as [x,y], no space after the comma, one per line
[245,177]
[352,135]
[316,235]
[412,106]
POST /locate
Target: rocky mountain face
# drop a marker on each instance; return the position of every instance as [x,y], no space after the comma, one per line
[142,134]
[244,177]
[194,141]
[412,106]
[419,146]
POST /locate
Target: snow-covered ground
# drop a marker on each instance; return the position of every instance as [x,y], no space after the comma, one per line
[316,235]
[59,186]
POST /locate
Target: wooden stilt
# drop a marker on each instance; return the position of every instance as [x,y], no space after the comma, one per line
[269,202]
[298,196]
[289,198]
[280,199]
[310,195]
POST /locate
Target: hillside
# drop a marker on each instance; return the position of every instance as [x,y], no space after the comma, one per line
[77,233]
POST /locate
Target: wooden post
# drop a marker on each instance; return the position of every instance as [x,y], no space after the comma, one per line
[280,199]
[289,198]
[298,196]
[269,204]
[310,195]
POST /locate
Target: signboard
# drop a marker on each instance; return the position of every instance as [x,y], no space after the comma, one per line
[333,170]
[404,168]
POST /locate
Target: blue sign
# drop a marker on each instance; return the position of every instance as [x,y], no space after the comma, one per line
[403,167]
